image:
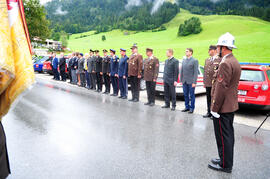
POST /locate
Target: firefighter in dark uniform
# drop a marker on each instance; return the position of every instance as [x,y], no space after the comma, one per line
[4,162]
[70,62]
[81,70]
[135,65]
[99,71]
[225,103]
[106,72]
[114,72]
[89,69]
[210,67]
[151,70]
[92,70]
[62,67]
[123,74]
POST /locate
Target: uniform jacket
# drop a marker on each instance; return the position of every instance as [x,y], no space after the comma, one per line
[114,65]
[55,63]
[62,64]
[151,68]
[210,67]
[70,63]
[98,64]
[225,88]
[135,65]
[123,67]
[91,64]
[106,64]
[171,70]
[189,71]
[80,65]
[75,61]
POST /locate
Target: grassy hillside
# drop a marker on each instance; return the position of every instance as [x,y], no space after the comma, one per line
[252,38]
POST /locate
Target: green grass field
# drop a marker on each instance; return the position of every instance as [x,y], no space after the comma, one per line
[252,38]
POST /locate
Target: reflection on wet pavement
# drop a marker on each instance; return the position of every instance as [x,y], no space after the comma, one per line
[58,131]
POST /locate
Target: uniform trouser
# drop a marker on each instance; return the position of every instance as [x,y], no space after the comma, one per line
[87,79]
[4,162]
[135,87]
[56,74]
[69,74]
[74,76]
[63,75]
[208,98]
[107,82]
[224,133]
[82,77]
[93,80]
[99,81]
[189,95]
[169,93]
[115,84]
[123,87]
[151,89]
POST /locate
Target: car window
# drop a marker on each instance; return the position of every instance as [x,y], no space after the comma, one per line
[268,74]
[252,75]
[161,68]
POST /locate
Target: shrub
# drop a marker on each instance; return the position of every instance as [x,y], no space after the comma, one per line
[190,26]
[103,38]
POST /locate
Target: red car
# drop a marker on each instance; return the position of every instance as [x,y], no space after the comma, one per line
[47,66]
[254,86]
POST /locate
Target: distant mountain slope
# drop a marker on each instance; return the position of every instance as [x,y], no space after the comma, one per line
[252,38]
[74,16]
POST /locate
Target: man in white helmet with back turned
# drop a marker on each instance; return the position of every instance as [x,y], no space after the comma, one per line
[225,103]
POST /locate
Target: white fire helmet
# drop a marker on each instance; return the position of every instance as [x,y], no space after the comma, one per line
[226,40]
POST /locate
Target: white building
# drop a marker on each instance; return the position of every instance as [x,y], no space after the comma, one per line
[49,44]
[56,45]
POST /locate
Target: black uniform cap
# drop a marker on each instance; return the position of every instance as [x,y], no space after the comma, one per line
[212,47]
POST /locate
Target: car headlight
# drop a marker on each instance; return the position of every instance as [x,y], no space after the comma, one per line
[256,86]
[264,87]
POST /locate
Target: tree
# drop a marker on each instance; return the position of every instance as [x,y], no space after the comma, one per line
[64,38]
[190,26]
[103,37]
[55,35]
[267,14]
[35,15]
[103,15]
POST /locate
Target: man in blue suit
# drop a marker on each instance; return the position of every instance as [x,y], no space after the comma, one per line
[123,74]
[114,72]
[55,67]
[189,75]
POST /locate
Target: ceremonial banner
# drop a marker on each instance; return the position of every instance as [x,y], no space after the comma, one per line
[18,60]
[7,69]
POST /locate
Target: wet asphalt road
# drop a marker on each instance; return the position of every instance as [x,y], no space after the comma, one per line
[60,131]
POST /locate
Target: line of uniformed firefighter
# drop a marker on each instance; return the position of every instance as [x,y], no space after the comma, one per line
[223,85]
[93,71]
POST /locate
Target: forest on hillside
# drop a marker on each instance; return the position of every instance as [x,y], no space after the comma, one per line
[75,16]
